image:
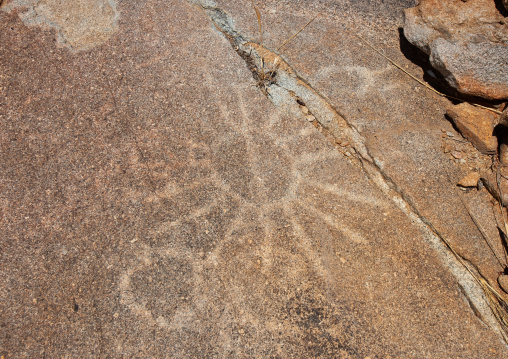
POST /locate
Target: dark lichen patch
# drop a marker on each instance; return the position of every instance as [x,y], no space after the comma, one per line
[326,330]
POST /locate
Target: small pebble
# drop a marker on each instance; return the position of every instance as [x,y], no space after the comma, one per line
[503,282]
[310,118]
[450,134]
[456,154]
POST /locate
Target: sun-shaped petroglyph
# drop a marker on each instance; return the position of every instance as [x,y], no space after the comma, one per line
[243,219]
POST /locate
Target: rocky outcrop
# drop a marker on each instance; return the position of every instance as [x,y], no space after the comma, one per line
[467,41]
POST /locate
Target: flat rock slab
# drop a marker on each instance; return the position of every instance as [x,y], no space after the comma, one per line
[403,124]
[154,203]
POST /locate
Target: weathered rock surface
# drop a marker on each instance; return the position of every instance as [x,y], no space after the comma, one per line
[503,282]
[497,184]
[154,203]
[467,41]
[475,124]
[80,24]
[503,119]
[401,123]
[470,180]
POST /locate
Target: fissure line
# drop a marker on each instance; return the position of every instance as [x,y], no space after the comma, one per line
[288,91]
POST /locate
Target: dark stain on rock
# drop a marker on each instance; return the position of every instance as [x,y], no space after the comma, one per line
[315,316]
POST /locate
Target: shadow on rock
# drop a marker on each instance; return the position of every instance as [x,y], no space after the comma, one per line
[433,77]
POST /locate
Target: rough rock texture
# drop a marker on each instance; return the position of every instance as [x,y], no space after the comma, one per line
[466,41]
[80,24]
[470,180]
[154,203]
[402,123]
[497,184]
[503,119]
[475,124]
[503,282]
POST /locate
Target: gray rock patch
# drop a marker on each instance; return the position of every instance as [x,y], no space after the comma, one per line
[80,24]
[466,42]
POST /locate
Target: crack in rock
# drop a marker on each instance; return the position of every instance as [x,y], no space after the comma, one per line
[291,93]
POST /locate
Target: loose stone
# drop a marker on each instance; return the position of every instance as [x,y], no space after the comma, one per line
[471,180]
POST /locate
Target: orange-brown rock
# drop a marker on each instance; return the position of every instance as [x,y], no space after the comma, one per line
[470,180]
[155,203]
[475,124]
[466,41]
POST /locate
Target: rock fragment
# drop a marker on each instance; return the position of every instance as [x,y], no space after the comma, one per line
[470,180]
[304,109]
[457,155]
[498,189]
[467,42]
[476,125]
